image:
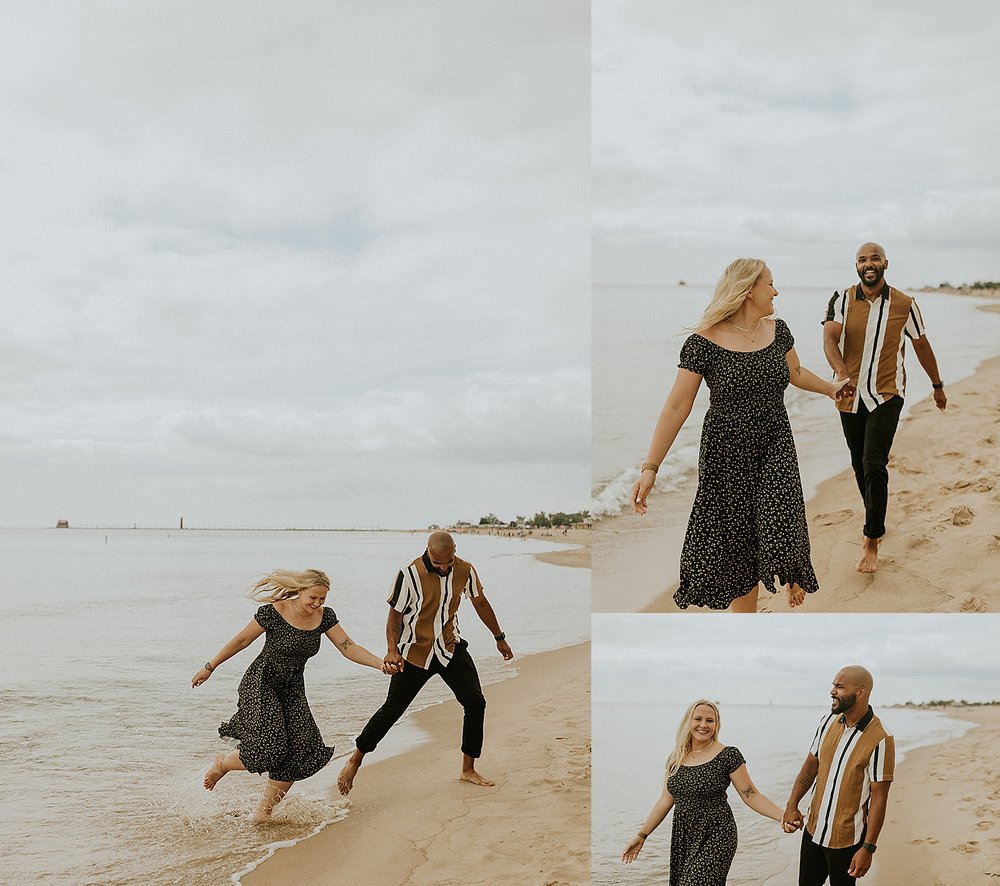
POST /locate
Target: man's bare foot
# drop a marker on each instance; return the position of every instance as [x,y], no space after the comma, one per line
[796,596]
[215,772]
[345,779]
[869,560]
[473,777]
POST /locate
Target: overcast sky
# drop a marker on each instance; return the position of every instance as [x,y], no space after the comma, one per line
[320,264]
[793,658]
[794,132]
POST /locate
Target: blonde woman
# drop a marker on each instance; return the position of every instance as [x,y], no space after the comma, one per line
[273,725]
[699,771]
[748,523]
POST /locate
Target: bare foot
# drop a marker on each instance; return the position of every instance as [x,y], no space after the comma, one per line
[869,561]
[215,772]
[345,780]
[796,596]
[473,777]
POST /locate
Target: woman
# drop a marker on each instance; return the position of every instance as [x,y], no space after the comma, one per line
[274,728]
[748,523]
[699,771]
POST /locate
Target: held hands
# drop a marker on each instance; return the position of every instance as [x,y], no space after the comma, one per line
[841,388]
[640,489]
[200,677]
[392,663]
[633,849]
[792,820]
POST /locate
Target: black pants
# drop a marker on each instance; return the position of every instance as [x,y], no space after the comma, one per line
[816,863]
[869,437]
[461,677]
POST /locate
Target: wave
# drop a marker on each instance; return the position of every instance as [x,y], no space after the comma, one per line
[678,470]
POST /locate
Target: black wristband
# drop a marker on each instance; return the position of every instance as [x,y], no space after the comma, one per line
[500,636]
[869,846]
[939,386]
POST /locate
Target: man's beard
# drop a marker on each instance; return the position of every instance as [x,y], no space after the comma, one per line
[879,274]
[844,704]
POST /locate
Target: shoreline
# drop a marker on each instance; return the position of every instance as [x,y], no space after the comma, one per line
[943,821]
[944,508]
[412,821]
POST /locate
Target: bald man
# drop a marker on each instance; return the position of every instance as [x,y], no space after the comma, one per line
[864,337]
[422,635]
[849,767]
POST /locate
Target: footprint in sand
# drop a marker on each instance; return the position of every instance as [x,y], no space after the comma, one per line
[834,517]
[984,484]
[962,516]
[985,825]
[921,541]
[973,605]
[966,848]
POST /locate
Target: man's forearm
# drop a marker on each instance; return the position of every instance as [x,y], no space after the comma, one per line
[487,616]
[836,360]
[929,362]
[803,781]
[393,630]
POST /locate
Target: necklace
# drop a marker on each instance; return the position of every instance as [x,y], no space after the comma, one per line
[299,611]
[749,333]
[693,753]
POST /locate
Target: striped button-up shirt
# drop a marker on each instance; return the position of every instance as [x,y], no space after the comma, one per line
[429,603]
[850,759]
[873,342]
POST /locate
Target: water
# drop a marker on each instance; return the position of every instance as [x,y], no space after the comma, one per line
[637,336]
[104,743]
[630,746]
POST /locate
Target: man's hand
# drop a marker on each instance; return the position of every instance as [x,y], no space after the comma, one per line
[791,821]
[860,864]
[504,650]
[940,400]
[393,662]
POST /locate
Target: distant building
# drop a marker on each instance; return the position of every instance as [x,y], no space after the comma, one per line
[62,524]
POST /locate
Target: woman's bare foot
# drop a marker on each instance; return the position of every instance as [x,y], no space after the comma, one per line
[796,596]
[215,772]
[869,560]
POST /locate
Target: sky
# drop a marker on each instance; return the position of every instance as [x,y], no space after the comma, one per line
[795,132]
[793,658]
[307,264]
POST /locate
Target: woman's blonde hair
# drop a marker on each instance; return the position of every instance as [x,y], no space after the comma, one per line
[683,745]
[283,584]
[732,289]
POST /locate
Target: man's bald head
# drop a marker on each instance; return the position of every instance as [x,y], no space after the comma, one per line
[851,690]
[440,542]
[856,675]
[867,248]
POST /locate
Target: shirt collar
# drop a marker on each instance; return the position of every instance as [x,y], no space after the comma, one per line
[863,722]
[426,557]
[860,296]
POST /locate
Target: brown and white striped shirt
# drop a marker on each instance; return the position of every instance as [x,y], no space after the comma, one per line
[873,342]
[429,605]
[850,759]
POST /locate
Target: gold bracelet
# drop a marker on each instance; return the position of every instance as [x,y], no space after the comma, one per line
[641,834]
[649,466]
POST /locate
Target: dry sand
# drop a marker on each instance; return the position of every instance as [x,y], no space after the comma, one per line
[943,822]
[413,822]
[942,549]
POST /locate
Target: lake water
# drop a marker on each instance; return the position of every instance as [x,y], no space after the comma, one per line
[637,336]
[630,746]
[104,743]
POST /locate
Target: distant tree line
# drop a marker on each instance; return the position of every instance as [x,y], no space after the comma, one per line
[541,520]
[950,703]
[979,284]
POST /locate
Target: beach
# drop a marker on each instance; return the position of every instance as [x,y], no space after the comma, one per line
[944,512]
[412,821]
[943,822]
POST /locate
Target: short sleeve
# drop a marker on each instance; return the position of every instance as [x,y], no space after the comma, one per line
[696,354]
[265,616]
[399,596]
[818,736]
[473,587]
[783,335]
[836,307]
[882,764]
[914,327]
[329,619]
[733,759]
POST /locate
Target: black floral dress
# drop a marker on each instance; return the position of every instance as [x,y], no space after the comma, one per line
[748,523]
[703,838]
[273,724]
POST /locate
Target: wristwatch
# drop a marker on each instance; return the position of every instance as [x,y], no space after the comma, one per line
[939,386]
[500,636]
[870,847]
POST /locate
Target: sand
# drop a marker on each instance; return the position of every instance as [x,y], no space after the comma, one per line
[411,820]
[943,822]
[941,552]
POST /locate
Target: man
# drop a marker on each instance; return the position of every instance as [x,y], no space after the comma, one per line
[864,336]
[851,761]
[423,639]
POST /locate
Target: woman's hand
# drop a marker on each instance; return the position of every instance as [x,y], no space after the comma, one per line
[633,849]
[640,489]
[842,387]
[200,677]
